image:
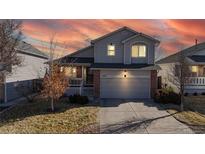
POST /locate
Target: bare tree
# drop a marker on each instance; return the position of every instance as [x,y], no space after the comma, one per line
[181,72]
[55,81]
[10,36]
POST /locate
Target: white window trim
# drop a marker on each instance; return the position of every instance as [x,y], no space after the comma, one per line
[138,56]
[110,50]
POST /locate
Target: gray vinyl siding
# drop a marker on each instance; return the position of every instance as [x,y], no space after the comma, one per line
[31,68]
[100,48]
[149,59]
[85,53]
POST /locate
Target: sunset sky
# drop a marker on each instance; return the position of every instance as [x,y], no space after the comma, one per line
[173,34]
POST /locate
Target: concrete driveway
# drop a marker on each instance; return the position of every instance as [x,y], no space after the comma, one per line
[139,116]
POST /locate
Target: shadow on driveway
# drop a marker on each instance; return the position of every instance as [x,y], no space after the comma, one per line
[131,126]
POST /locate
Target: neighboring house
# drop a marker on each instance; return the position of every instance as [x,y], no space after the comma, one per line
[117,65]
[195,57]
[32,68]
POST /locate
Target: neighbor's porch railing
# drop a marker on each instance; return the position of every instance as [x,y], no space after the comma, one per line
[196,81]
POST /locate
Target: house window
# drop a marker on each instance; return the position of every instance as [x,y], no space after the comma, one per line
[194,69]
[70,72]
[111,50]
[138,51]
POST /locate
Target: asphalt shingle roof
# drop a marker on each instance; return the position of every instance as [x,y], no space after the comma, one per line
[186,52]
[31,50]
[77,60]
[197,58]
[119,65]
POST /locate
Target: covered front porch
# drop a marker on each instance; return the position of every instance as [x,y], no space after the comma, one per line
[197,76]
[80,79]
[196,81]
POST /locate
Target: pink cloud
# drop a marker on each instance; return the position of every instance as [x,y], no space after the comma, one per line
[173,34]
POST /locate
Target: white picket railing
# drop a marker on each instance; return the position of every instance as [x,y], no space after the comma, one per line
[75,82]
[198,81]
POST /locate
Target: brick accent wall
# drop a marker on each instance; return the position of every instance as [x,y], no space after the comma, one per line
[96,82]
[153,82]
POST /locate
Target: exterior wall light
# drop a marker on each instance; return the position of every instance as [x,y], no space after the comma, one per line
[125,75]
[61,69]
[74,70]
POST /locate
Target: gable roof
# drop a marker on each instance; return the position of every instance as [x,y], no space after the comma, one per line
[135,34]
[81,60]
[113,32]
[76,52]
[26,48]
[186,52]
[141,34]
[125,28]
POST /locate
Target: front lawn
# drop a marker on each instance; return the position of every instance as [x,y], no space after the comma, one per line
[194,120]
[35,118]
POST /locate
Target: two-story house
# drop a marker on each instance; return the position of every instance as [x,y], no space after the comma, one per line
[119,64]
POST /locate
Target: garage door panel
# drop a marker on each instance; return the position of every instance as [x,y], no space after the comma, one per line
[125,87]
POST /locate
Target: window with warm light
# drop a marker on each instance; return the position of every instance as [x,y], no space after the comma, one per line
[111,50]
[194,69]
[70,72]
[138,51]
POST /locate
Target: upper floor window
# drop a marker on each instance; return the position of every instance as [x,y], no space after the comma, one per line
[139,50]
[111,50]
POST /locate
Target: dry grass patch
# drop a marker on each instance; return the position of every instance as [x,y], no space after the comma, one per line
[194,120]
[34,118]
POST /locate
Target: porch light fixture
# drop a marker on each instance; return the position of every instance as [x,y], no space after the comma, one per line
[125,75]
[61,69]
[74,70]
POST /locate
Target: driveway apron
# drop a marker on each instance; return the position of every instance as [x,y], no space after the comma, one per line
[139,117]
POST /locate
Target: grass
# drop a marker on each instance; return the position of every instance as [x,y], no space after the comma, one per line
[35,118]
[194,120]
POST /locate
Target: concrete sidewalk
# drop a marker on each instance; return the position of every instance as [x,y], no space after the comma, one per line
[139,116]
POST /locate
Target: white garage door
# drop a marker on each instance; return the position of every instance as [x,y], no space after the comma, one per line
[114,84]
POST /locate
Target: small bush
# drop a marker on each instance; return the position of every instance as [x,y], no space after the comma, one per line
[167,95]
[203,93]
[195,94]
[78,99]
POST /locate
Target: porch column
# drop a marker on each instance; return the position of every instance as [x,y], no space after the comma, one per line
[96,82]
[79,71]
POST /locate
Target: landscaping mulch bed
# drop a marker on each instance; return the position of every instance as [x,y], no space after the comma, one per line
[36,118]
